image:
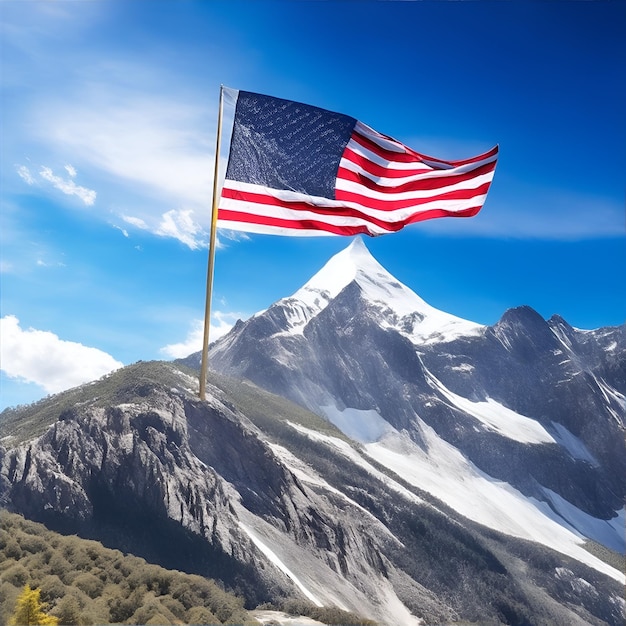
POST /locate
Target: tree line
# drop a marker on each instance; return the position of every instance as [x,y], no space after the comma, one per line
[80,582]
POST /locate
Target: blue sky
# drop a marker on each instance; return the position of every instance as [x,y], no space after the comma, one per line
[108,124]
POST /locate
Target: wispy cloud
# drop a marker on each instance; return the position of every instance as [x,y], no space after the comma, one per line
[221,323]
[180,225]
[546,214]
[68,186]
[154,144]
[25,174]
[43,358]
[176,223]
[122,230]
[137,222]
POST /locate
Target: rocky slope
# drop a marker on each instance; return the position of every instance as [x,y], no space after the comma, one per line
[277,503]
[534,406]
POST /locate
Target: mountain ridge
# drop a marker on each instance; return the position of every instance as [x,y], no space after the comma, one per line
[420,477]
[476,387]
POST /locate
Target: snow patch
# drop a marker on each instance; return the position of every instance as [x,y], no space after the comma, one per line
[364,426]
[497,417]
[346,450]
[283,619]
[443,471]
[576,448]
[609,533]
[273,558]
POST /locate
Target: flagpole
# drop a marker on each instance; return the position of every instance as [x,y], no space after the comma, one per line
[209,277]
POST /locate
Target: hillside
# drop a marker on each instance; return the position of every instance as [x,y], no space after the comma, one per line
[277,504]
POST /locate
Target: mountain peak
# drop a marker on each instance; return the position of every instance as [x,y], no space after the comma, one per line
[396,305]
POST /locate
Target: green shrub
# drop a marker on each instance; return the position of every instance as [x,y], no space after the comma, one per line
[200,615]
[52,587]
[89,584]
[152,612]
[59,566]
[68,611]
[12,549]
[17,575]
[8,599]
[85,583]
[32,543]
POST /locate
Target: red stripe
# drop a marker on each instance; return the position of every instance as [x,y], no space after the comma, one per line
[389,155]
[345,211]
[423,184]
[411,156]
[251,218]
[392,205]
[382,170]
[361,229]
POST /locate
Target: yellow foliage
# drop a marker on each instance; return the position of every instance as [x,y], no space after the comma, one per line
[29,610]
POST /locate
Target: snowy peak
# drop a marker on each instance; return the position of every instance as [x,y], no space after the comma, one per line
[396,305]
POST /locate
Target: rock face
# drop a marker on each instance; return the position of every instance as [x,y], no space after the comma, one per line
[431,469]
[535,403]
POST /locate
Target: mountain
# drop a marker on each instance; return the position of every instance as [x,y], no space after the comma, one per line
[532,410]
[360,450]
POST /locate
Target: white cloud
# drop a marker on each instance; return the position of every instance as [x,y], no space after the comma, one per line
[151,142]
[25,175]
[221,323]
[179,224]
[40,357]
[71,170]
[122,230]
[69,187]
[135,221]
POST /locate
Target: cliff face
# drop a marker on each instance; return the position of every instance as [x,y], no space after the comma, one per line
[276,503]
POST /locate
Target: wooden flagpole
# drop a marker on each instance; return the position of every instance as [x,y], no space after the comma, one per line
[209,277]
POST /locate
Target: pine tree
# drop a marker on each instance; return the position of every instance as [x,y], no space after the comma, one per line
[29,610]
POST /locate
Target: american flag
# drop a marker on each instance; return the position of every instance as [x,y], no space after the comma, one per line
[296,169]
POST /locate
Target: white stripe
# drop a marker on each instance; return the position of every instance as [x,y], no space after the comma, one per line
[395,182]
[354,187]
[375,158]
[390,216]
[387,143]
[264,229]
[428,171]
[384,142]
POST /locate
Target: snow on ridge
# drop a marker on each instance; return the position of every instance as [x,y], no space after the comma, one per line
[364,426]
[444,472]
[497,417]
[346,450]
[576,448]
[397,303]
[609,533]
[273,558]
[306,474]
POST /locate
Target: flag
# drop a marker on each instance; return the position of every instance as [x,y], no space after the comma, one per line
[296,169]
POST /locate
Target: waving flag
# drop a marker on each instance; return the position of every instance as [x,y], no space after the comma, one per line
[295,169]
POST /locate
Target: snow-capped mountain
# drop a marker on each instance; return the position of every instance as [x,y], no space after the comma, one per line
[398,307]
[519,426]
[435,470]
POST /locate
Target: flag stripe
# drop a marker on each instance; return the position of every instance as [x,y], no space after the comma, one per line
[379,184]
[378,166]
[252,198]
[273,224]
[416,184]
